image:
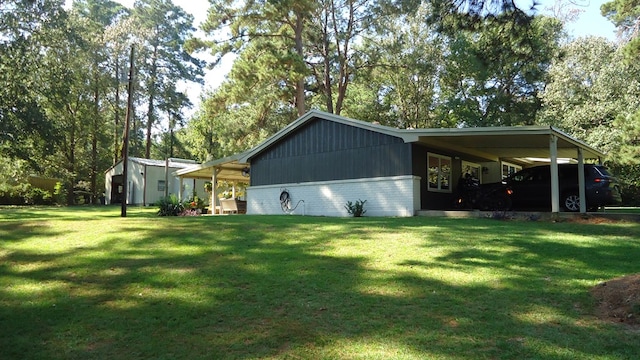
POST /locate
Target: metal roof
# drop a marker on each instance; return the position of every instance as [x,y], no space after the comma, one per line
[173,162]
[229,168]
[481,143]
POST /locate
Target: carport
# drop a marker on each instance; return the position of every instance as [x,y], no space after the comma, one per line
[526,144]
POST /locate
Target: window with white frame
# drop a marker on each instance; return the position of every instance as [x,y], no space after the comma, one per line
[161,185]
[439,172]
[471,169]
[508,169]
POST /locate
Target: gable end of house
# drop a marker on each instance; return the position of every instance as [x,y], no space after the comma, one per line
[322,150]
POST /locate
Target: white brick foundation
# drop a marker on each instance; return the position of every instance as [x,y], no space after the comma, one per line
[385,196]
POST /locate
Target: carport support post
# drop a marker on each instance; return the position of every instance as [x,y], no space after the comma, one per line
[555,187]
[581,184]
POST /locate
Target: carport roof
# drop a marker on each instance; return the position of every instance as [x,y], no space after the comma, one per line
[497,143]
[482,144]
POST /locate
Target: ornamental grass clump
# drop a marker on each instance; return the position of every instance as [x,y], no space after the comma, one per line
[356,209]
[169,206]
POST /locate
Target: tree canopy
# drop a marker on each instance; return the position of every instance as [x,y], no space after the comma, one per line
[401,63]
[62,107]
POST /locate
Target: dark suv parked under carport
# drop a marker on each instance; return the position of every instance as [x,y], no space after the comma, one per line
[532,187]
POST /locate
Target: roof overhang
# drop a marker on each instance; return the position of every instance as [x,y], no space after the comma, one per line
[226,169]
[480,144]
[494,143]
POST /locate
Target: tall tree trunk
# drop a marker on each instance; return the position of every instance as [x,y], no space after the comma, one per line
[116,110]
[94,141]
[152,93]
[300,98]
[343,54]
[71,157]
[327,62]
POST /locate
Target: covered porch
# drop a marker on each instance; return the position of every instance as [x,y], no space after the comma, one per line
[229,170]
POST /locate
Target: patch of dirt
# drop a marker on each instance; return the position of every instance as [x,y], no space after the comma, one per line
[619,300]
[591,219]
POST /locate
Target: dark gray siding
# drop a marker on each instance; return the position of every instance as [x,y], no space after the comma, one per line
[325,150]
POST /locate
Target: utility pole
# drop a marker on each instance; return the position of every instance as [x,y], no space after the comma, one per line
[125,138]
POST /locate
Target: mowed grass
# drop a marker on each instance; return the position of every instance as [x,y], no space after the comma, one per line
[83,283]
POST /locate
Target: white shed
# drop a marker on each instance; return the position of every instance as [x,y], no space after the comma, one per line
[149,180]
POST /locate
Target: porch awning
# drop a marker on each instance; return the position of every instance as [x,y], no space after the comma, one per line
[226,169]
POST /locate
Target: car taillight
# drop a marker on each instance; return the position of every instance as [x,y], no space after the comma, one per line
[509,192]
[598,180]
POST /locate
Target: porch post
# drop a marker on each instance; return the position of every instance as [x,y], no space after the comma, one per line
[555,187]
[180,186]
[581,183]
[233,190]
[214,192]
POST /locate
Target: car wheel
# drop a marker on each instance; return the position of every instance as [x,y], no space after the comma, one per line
[572,202]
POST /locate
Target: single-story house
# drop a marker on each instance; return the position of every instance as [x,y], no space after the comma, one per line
[319,162]
[149,181]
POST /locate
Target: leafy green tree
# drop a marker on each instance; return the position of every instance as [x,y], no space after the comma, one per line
[271,32]
[224,125]
[97,16]
[163,58]
[26,28]
[625,15]
[453,15]
[590,87]
[493,76]
[594,95]
[336,25]
[167,144]
[400,85]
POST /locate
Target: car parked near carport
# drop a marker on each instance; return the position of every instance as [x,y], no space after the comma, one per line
[532,187]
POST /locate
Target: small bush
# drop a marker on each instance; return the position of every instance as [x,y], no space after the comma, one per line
[60,194]
[37,196]
[13,194]
[169,206]
[194,203]
[356,209]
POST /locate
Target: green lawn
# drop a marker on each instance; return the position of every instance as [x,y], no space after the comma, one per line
[83,283]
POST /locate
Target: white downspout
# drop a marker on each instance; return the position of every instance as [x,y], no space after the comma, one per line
[144,186]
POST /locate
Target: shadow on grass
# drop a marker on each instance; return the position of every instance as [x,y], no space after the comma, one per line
[256,287]
[12,232]
[72,213]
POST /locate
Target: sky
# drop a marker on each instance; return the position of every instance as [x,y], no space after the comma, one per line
[590,22]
